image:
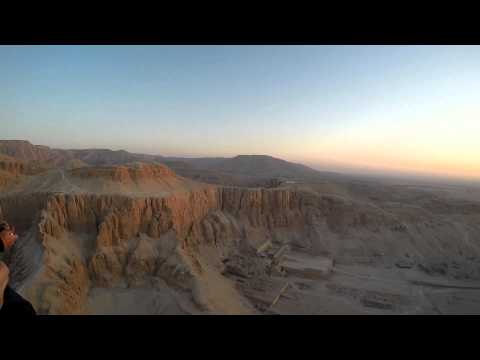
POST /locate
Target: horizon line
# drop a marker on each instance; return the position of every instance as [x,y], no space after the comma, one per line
[345,169]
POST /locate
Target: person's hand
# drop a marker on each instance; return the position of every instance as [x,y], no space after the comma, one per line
[4,277]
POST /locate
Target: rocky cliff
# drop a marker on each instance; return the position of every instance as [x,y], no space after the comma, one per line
[86,241]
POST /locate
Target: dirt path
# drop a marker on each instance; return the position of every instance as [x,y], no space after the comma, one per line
[65,180]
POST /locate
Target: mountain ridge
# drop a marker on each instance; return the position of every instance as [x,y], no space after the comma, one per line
[238,170]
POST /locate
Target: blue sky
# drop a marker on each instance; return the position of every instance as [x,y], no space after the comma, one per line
[393,108]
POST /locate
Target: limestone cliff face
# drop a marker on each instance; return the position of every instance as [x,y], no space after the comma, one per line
[277,208]
[14,171]
[90,240]
[117,217]
[13,167]
[11,171]
[104,240]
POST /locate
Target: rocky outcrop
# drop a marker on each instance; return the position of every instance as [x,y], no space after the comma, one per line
[134,179]
[12,166]
[124,174]
[11,171]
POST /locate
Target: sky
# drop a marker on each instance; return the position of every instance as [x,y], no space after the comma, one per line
[394,109]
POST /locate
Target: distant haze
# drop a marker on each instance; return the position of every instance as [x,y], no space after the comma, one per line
[370,109]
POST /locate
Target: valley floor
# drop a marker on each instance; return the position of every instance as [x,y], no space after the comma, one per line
[347,290]
[358,289]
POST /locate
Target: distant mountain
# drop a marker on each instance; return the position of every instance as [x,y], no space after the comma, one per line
[24,150]
[197,163]
[242,170]
[258,166]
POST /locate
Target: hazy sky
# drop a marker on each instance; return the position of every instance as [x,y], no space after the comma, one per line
[407,108]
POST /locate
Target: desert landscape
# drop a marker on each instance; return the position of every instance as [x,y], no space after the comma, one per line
[114,232]
[222,179]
